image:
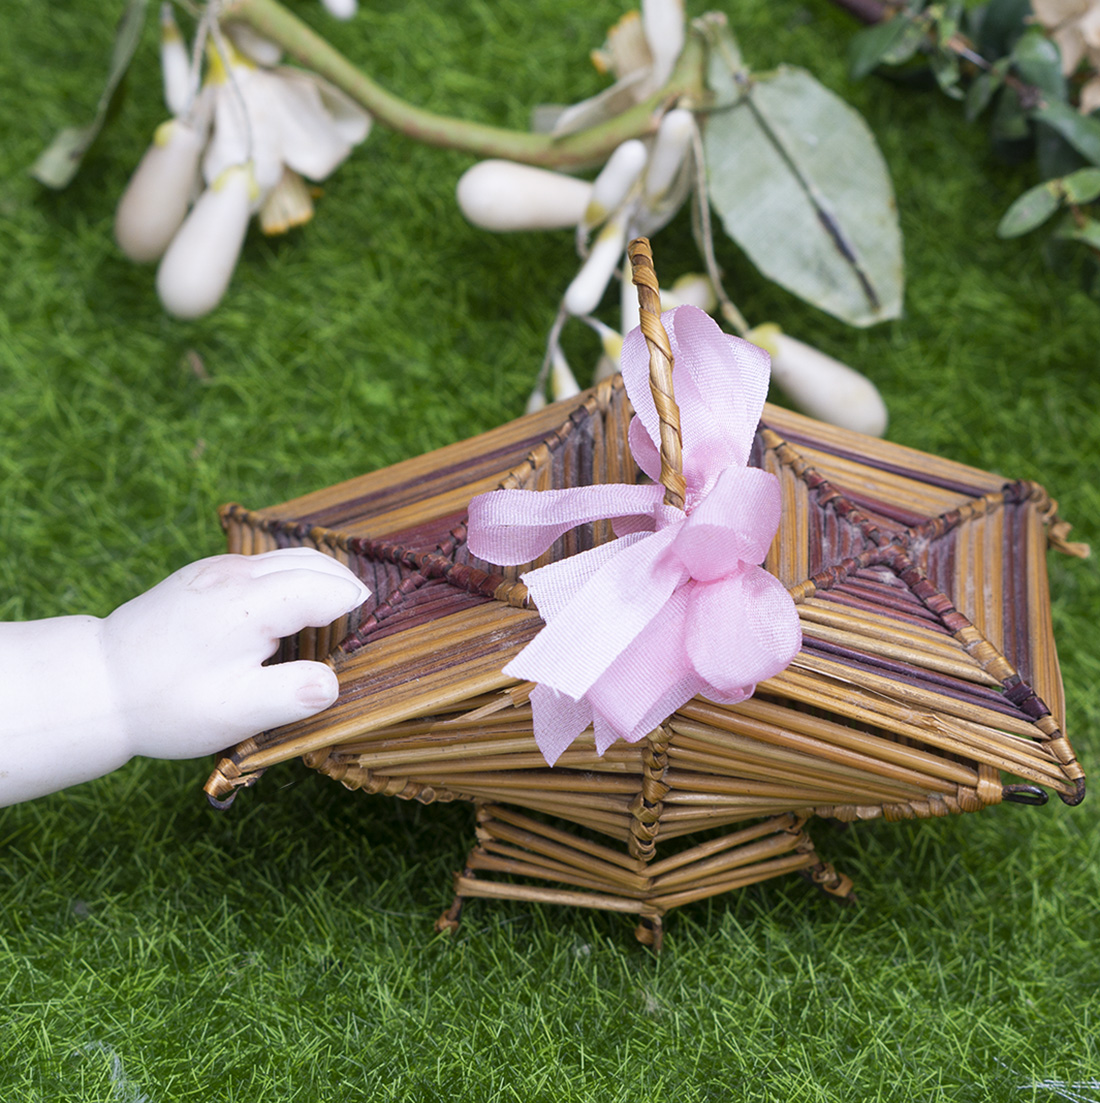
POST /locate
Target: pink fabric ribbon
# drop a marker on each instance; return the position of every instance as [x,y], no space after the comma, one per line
[676,605]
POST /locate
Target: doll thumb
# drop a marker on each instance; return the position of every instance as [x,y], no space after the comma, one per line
[287,692]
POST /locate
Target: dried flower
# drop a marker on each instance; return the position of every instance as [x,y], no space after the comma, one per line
[198,264]
[503,196]
[1074,25]
[820,386]
[641,51]
[258,131]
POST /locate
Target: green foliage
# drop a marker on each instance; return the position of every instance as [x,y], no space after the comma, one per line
[282,952]
[1037,204]
[56,165]
[1032,209]
[800,185]
[1016,66]
[892,42]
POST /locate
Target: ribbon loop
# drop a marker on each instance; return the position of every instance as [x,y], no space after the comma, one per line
[677,604]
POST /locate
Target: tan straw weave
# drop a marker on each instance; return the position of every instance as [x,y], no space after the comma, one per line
[928,681]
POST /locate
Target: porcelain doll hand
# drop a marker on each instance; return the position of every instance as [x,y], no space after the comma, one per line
[184,659]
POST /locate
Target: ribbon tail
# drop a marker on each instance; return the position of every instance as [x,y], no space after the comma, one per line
[557,720]
[517,526]
[601,619]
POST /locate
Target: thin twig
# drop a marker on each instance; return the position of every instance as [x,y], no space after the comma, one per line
[590,146]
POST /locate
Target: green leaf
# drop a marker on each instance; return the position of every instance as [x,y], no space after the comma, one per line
[1087,232]
[983,88]
[945,67]
[915,36]
[60,161]
[1081,131]
[1031,209]
[999,24]
[1009,120]
[801,186]
[1039,62]
[877,43]
[1082,186]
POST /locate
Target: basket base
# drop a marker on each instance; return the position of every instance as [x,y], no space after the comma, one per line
[530,853]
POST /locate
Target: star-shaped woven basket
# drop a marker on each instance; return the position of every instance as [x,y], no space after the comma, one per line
[928,681]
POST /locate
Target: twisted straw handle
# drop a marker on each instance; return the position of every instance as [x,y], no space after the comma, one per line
[644,277]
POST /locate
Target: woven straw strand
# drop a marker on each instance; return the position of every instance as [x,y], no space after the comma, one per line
[660,370]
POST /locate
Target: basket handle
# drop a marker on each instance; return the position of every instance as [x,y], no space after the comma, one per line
[644,277]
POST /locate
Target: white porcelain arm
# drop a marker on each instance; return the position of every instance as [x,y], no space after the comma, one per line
[175,673]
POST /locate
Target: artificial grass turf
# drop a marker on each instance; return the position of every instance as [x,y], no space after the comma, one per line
[153,949]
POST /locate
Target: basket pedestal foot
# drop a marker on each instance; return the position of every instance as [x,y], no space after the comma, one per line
[651,932]
[837,885]
[449,921]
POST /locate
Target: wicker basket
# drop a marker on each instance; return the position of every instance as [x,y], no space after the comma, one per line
[928,681]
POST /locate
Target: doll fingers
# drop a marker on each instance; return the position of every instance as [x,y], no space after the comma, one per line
[286,601]
[290,559]
[285,693]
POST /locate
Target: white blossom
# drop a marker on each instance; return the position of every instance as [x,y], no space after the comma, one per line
[584,293]
[254,132]
[1074,25]
[563,383]
[341,9]
[821,386]
[197,266]
[502,196]
[175,65]
[156,199]
[623,170]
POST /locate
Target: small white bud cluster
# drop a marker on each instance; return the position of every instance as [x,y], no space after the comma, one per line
[238,144]
[821,386]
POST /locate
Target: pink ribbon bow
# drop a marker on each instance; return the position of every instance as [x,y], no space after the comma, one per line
[676,605]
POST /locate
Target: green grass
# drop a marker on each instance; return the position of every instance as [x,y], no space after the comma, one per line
[154,950]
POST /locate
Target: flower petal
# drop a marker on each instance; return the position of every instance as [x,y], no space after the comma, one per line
[663,21]
[251,130]
[310,142]
[196,269]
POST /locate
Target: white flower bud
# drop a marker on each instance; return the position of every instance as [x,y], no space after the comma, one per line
[253,45]
[820,386]
[612,348]
[175,65]
[663,21]
[503,195]
[196,269]
[341,9]
[156,199]
[694,289]
[536,400]
[629,311]
[668,153]
[584,293]
[563,383]
[616,178]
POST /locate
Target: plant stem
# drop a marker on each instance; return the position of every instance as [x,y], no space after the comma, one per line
[585,147]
